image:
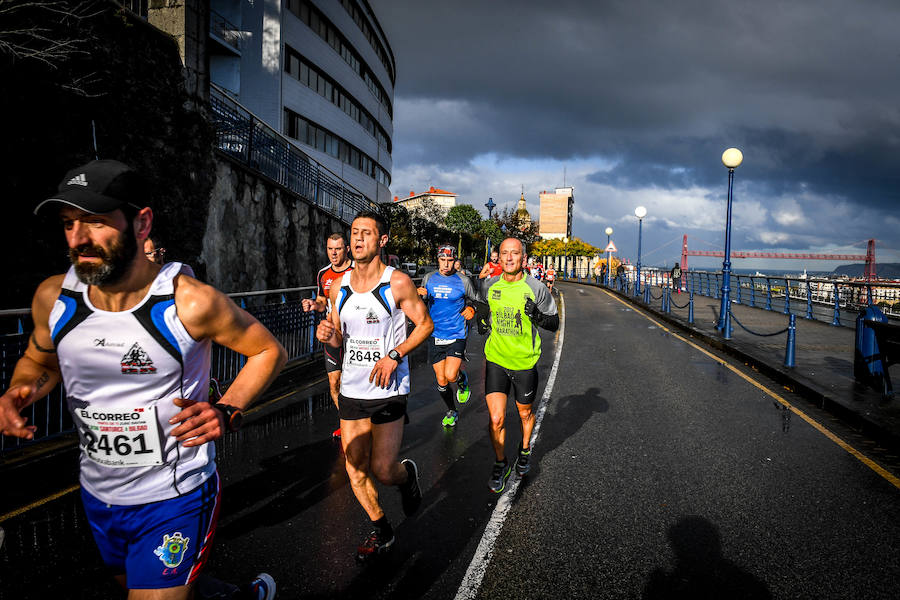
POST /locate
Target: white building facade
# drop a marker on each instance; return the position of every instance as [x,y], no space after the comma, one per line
[320,72]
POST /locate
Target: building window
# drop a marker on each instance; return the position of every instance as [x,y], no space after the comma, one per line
[311,134]
[329,33]
[298,67]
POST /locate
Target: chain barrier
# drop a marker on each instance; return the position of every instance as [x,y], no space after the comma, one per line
[751,332]
[686,304]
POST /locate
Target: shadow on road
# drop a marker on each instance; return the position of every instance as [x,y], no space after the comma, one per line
[569,414]
[700,570]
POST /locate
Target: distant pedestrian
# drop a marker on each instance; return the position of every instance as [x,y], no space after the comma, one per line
[676,278]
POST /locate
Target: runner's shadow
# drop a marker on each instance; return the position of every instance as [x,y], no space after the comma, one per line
[569,415]
[700,570]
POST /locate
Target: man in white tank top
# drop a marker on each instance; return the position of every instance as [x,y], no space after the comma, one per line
[368,319]
[131,340]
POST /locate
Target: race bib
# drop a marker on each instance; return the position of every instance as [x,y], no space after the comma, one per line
[363,352]
[120,436]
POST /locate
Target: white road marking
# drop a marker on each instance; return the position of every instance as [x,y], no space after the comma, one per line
[471,581]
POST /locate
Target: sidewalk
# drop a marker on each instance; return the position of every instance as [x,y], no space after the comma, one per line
[823,359]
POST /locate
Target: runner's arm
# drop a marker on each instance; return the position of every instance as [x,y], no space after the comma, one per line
[485,271]
[37,372]
[408,300]
[329,329]
[209,314]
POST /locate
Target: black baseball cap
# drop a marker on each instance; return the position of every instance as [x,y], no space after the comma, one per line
[101,186]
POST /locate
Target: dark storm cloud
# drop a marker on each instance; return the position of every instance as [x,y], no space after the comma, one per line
[808,90]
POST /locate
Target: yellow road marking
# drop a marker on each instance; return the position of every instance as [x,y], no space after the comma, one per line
[816,425]
[49,498]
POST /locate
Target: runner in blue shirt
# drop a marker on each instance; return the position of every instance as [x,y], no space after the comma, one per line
[450,298]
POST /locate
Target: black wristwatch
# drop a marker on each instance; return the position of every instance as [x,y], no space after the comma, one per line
[394,355]
[233,415]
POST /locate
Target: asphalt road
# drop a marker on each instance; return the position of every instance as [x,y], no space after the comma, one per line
[659,471]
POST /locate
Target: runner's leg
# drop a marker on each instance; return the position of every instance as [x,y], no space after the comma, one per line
[386,441]
[334,385]
[496,403]
[356,439]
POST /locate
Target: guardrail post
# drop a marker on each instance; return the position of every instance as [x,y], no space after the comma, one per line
[738,290]
[243,303]
[647,293]
[752,292]
[669,299]
[768,294]
[791,342]
[809,313]
[717,286]
[836,319]
[691,306]
[787,296]
[21,329]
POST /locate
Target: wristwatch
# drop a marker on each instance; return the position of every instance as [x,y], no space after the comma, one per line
[233,415]
[395,355]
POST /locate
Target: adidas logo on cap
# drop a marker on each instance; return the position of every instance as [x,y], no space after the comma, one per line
[78,180]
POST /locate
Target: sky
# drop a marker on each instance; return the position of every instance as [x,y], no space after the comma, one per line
[632,102]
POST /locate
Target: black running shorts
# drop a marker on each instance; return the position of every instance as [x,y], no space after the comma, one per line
[380,410]
[498,379]
[334,358]
[438,352]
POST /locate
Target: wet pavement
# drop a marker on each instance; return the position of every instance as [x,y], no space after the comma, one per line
[659,472]
[823,370]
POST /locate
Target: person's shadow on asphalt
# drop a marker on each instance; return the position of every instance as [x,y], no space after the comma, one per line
[563,419]
[700,570]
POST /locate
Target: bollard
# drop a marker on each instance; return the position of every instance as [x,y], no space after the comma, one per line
[738,289]
[768,294]
[717,291]
[791,342]
[691,307]
[836,319]
[752,293]
[668,299]
[809,313]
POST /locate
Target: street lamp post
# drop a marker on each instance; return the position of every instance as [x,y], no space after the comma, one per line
[490,206]
[565,258]
[731,158]
[609,231]
[640,212]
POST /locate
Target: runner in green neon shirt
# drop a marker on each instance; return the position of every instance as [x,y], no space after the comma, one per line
[519,304]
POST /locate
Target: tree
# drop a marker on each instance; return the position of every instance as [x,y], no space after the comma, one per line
[516,227]
[463,218]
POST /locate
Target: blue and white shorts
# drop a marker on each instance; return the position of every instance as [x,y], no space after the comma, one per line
[157,545]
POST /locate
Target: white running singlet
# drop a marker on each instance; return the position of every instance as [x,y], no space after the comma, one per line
[121,372]
[372,325]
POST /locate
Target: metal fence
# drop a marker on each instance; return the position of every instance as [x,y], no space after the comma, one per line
[244,137]
[835,301]
[279,310]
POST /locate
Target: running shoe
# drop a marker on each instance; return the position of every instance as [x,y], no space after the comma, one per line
[262,587]
[410,493]
[523,464]
[499,476]
[376,543]
[336,433]
[450,418]
[462,390]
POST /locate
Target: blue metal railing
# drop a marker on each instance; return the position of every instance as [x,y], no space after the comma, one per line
[247,139]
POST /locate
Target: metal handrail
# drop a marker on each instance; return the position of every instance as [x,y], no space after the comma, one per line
[246,138]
